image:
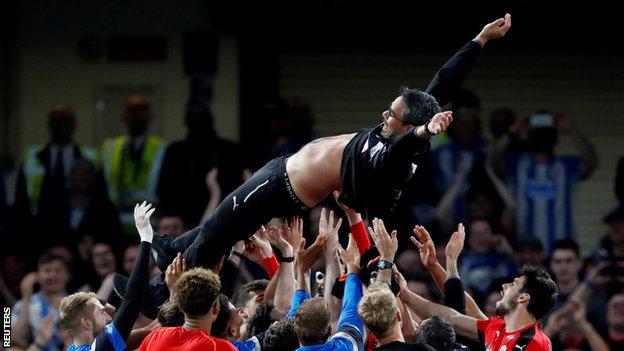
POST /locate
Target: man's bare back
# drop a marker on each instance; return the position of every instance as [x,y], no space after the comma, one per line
[314,171]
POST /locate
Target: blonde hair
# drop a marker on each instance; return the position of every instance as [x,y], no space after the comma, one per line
[378,309]
[72,307]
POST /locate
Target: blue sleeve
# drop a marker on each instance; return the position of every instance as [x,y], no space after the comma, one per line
[298,298]
[246,345]
[349,319]
[114,338]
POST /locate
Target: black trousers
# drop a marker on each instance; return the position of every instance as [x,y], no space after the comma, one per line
[266,195]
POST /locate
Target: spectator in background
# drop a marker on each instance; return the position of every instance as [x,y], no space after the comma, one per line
[187,163]
[90,210]
[170,224]
[12,271]
[104,265]
[44,179]
[544,183]
[29,313]
[569,329]
[129,258]
[488,258]
[132,162]
[298,132]
[611,251]
[615,322]
[454,160]
[528,250]
[501,120]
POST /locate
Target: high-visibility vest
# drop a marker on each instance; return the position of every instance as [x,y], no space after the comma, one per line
[34,172]
[130,182]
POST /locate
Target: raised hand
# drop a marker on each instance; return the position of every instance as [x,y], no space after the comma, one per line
[455,243]
[351,256]
[46,329]
[494,30]
[174,271]
[425,246]
[439,122]
[307,257]
[27,285]
[142,215]
[385,243]
[276,238]
[327,227]
[260,246]
[292,231]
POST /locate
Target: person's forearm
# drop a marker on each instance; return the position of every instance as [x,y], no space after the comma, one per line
[21,329]
[595,341]
[444,209]
[454,72]
[501,188]
[360,235]
[270,265]
[137,335]
[135,290]
[213,202]
[496,154]
[425,308]
[454,295]
[350,300]
[332,271]
[269,292]
[106,289]
[589,158]
[439,276]
[229,276]
[285,285]
[408,327]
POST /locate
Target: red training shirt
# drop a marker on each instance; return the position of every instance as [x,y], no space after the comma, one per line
[178,339]
[530,338]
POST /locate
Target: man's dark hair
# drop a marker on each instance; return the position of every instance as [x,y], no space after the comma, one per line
[219,326]
[198,289]
[245,290]
[281,336]
[261,319]
[49,257]
[170,315]
[567,244]
[437,333]
[420,106]
[541,288]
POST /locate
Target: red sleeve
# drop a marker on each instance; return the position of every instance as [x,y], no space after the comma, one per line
[225,345]
[539,343]
[271,265]
[360,235]
[147,341]
[482,324]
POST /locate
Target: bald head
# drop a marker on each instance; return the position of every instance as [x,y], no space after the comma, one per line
[137,115]
[61,124]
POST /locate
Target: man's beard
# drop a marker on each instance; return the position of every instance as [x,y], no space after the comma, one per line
[504,308]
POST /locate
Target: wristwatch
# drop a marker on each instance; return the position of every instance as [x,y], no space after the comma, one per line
[382,264]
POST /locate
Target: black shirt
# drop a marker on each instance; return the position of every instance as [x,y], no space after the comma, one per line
[374,169]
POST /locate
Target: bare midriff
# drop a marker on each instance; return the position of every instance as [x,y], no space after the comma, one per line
[314,171]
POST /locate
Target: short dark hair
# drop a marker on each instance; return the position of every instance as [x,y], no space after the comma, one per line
[313,322]
[219,326]
[420,106]
[245,290]
[437,333]
[49,257]
[567,244]
[198,289]
[281,336]
[542,289]
[261,319]
[170,315]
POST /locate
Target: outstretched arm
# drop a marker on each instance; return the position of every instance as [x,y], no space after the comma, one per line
[455,71]
[139,278]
